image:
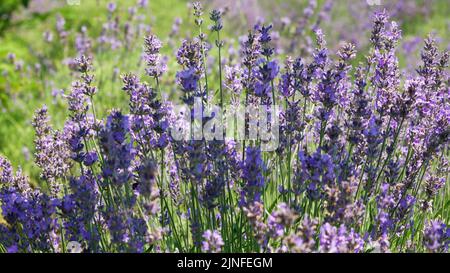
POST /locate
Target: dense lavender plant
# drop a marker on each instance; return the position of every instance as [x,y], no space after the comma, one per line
[362,163]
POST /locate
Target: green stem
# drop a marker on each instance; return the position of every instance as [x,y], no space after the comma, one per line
[219,45]
[391,153]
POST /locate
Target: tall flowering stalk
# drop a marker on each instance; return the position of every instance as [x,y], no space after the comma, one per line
[198,12]
[52,152]
[155,64]
[252,173]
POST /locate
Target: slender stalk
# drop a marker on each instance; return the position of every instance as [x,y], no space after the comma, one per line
[219,45]
[391,153]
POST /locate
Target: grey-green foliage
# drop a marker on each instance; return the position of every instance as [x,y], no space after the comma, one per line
[7,8]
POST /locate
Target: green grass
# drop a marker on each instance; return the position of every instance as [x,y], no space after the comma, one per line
[21,95]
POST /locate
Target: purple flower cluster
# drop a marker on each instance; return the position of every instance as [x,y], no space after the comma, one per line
[213,242]
[155,66]
[436,236]
[253,177]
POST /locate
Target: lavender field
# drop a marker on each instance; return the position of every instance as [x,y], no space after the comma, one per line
[162,126]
